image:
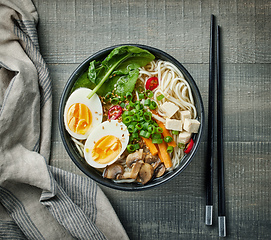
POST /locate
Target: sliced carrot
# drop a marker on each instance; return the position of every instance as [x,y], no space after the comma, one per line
[153,149]
[166,133]
[163,155]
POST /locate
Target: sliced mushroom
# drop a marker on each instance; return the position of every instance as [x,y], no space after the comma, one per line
[160,170]
[133,157]
[152,160]
[113,171]
[146,173]
[135,170]
[122,156]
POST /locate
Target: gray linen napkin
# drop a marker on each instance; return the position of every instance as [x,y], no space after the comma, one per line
[38,201]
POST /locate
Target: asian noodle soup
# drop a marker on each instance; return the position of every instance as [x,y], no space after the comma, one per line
[143,133]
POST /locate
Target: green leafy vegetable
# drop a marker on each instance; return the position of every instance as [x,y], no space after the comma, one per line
[119,70]
[94,70]
[123,83]
[83,81]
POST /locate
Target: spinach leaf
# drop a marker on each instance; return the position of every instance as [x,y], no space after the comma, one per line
[122,83]
[95,71]
[120,61]
[133,63]
[83,81]
[126,83]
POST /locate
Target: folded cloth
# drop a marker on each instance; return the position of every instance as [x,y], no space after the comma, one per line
[38,201]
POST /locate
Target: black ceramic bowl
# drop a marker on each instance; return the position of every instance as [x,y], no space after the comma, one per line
[92,172]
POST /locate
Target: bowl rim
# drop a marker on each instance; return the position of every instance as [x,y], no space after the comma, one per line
[80,69]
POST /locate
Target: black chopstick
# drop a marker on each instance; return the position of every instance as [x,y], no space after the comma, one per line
[210,141]
[220,159]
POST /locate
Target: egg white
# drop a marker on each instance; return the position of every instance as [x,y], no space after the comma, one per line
[94,104]
[106,128]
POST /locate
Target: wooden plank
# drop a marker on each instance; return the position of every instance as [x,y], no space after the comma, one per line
[263,34]
[69,31]
[246,31]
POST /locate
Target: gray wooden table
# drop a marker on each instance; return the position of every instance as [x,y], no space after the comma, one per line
[70,31]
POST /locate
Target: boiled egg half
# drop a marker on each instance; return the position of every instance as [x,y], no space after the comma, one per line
[81,114]
[106,143]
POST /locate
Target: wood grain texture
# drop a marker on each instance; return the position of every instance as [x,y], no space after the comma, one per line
[70,31]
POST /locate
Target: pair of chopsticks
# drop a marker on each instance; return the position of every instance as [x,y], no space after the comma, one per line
[210,142]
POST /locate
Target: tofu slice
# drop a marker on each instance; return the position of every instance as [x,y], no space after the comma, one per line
[169,109]
[184,137]
[191,125]
[174,124]
[185,114]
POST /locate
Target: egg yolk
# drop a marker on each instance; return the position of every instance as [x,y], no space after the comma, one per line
[106,149]
[79,118]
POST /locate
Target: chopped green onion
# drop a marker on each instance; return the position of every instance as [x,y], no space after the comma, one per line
[141,119]
[132,112]
[122,105]
[141,95]
[156,136]
[140,89]
[170,149]
[147,135]
[157,140]
[115,101]
[181,145]
[160,97]
[149,93]
[108,96]
[134,135]
[175,132]
[126,120]
[155,124]
[131,148]
[139,126]
[147,102]
[148,113]
[168,139]
[147,116]
[131,128]
[122,98]
[153,105]
[145,125]
[125,113]
[129,96]
[138,106]
[129,107]
[136,117]
[144,134]
[151,129]
[133,123]
[136,146]
[159,130]
[131,104]
[140,113]
[135,129]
